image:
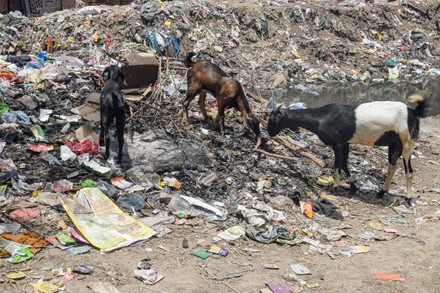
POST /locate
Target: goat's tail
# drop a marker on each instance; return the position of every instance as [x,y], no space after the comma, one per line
[188,59]
[422,106]
[244,99]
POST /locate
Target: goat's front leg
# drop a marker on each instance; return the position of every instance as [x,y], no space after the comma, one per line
[245,119]
[221,114]
[185,103]
[345,152]
[338,149]
[202,104]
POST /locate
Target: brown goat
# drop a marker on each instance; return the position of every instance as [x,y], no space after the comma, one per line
[203,77]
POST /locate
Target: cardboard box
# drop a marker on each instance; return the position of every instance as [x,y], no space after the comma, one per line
[142,70]
[84,131]
[90,109]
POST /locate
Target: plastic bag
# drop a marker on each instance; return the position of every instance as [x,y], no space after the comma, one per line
[66,153]
[87,145]
[71,61]
[108,189]
[131,202]
[16,117]
[62,185]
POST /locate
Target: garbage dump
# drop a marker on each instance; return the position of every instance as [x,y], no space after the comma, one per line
[189,208]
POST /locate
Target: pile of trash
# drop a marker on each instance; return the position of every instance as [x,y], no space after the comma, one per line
[57,189]
[309,42]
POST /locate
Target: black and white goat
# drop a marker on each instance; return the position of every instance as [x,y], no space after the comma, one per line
[380,123]
[112,106]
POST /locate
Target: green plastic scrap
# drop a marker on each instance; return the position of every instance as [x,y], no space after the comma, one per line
[201,252]
[88,183]
[3,189]
[390,62]
[4,108]
[292,242]
[38,133]
[22,255]
[65,239]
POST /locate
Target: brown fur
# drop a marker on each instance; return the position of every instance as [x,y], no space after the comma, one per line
[203,77]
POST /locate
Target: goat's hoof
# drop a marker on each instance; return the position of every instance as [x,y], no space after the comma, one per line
[380,194]
[411,201]
[353,188]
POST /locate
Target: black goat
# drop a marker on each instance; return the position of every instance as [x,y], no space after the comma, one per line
[203,77]
[381,123]
[112,107]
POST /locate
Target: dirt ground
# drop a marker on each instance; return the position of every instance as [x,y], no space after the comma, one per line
[414,253]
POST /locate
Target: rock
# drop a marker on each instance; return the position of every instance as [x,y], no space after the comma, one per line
[161,153]
[281,202]
[165,198]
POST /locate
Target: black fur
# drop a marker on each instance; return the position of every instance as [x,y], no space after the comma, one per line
[112,107]
[335,125]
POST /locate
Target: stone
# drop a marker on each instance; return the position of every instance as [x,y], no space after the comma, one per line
[162,154]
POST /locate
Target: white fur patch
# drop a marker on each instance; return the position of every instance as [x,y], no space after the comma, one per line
[375,118]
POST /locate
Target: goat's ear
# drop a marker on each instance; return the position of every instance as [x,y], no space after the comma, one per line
[122,76]
[105,74]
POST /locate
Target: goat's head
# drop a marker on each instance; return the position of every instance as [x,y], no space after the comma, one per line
[113,72]
[274,124]
[254,123]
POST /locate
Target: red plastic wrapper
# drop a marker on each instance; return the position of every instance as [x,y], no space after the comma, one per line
[38,148]
[87,145]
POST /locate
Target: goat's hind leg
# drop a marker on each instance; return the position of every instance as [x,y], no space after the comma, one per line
[202,104]
[120,127]
[106,125]
[221,113]
[394,153]
[101,133]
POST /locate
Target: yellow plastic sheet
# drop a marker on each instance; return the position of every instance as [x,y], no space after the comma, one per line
[102,223]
